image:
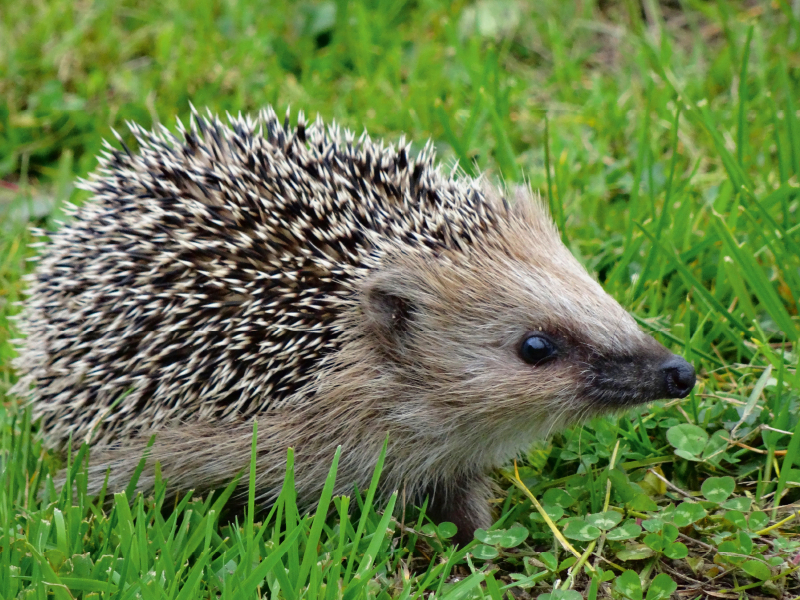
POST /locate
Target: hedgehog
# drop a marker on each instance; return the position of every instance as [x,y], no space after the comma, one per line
[337,290]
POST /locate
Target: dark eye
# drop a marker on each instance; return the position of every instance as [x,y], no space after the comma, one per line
[536,349]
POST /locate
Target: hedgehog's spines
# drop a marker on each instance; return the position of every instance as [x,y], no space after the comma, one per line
[122,143]
[287,120]
[233,247]
[402,158]
[166,134]
[193,117]
[301,127]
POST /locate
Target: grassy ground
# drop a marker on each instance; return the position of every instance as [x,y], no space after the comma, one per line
[666,138]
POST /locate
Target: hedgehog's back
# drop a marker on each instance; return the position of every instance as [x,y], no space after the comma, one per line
[205,278]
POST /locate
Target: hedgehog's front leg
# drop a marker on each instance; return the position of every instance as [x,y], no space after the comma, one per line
[463,502]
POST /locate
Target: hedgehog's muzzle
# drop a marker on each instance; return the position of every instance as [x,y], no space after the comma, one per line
[629,380]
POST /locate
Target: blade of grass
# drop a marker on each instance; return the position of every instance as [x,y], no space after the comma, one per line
[310,556]
[757,279]
[362,522]
[742,122]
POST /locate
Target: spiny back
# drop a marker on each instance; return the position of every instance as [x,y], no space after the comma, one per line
[206,277]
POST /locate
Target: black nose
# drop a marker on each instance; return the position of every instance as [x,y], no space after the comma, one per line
[678,376]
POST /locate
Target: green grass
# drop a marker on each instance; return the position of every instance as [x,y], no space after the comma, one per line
[666,139]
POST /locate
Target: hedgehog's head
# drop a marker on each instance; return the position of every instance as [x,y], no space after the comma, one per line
[512,337]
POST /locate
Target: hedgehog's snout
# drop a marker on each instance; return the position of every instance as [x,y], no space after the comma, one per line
[620,381]
[679,377]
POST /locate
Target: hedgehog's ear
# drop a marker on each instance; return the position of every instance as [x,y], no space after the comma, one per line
[389,307]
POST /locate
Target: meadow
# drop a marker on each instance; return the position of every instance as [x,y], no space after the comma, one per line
[665,138]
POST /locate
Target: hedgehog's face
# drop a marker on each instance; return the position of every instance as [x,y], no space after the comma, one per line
[528,340]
